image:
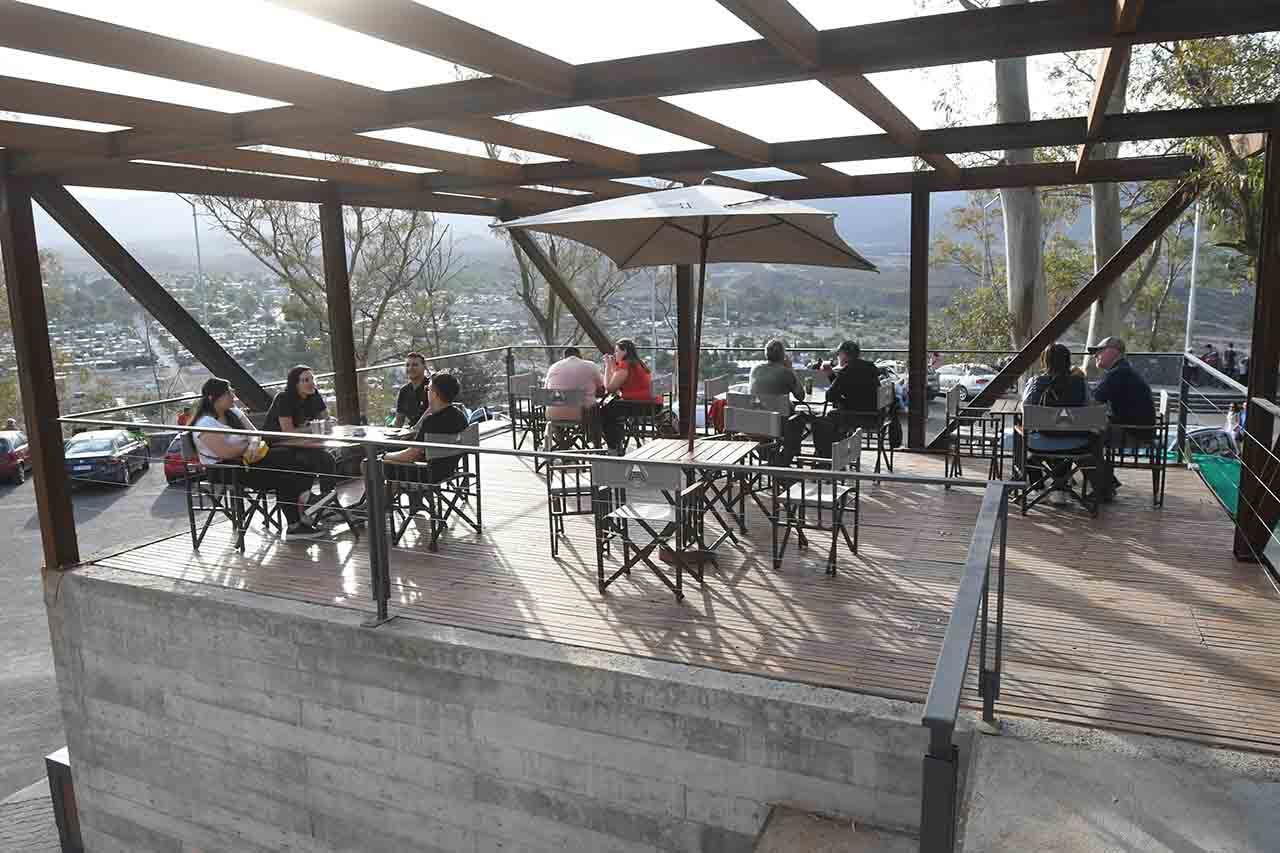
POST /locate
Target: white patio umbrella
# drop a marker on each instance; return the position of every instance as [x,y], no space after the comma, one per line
[701,225]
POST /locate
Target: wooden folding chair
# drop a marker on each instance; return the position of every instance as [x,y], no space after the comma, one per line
[634,495]
[527,419]
[973,436]
[824,505]
[422,487]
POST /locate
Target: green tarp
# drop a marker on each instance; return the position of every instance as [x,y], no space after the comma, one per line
[1223,476]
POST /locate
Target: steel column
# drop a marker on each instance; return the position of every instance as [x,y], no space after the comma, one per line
[1258,511]
[918,335]
[36,372]
[337,288]
[686,387]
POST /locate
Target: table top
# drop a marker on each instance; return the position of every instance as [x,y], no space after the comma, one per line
[330,441]
[706,451]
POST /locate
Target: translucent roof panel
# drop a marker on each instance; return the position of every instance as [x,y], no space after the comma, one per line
[456,144]
[945,95]
[270,33]
[607,129]
[832,14]
[316,155]
[577,32]
[54,121]
[66,72]
[766,173]
[781,112]
[873,167]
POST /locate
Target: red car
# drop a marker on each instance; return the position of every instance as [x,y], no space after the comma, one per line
[15,456]
[174,463]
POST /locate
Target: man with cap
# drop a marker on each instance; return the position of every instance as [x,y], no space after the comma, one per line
[1128,398]
[851,399]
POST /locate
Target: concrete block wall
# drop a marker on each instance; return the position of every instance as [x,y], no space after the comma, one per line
[214,719]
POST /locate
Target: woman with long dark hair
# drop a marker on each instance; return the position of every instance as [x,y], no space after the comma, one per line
[217,409]
[1057,385]
[292,410]
[626,375]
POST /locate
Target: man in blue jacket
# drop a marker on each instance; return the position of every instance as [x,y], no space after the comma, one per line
[1128,399]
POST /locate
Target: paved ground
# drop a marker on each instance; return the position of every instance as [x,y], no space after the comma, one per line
[26,821]
[1061,789]
[30,725]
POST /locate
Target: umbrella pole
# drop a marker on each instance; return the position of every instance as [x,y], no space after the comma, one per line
[697,337]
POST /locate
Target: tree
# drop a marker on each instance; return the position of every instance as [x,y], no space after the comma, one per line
[51,274]
[394,258]
[593,278]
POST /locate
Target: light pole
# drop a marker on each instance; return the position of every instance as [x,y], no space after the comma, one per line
[1195,264]
[204,289]
[987,270]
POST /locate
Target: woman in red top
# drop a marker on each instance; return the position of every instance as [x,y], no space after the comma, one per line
[628,376]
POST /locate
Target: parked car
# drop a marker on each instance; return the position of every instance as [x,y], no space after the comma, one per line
[175,463]
[1210,441]
[970,376]
[15,456]
[106,456]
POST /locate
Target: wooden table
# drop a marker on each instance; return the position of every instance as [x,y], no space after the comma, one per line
[348,493]
[707,456]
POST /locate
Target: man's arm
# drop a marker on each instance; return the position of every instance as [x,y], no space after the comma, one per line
[797,389]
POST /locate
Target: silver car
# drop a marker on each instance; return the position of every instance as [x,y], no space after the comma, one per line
[971,376]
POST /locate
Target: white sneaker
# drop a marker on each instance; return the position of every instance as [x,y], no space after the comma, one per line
[302,530]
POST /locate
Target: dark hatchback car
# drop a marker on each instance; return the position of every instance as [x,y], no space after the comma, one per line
[15,456]
[106,456]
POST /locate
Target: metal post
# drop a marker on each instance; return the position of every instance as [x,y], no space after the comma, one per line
[204,287]
[1184,388]
[337,287]
[1195,265]
[938,794]
[918,322]
[379,556]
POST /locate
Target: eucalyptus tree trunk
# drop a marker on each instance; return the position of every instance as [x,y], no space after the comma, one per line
[1028,299]
[1106,316]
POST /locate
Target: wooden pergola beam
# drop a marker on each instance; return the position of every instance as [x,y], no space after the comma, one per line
[673,119]
[512,135]
[1111,64]
[423,29]
[36,374]
[1127,14]
[51,99]
[337,290]
[586,321]
[81,226]
[54,33]
[862,95]
[911,43]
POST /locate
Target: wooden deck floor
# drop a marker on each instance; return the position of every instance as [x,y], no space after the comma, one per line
[1137,621]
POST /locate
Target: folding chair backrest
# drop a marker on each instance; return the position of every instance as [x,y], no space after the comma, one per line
[763,402]
[635,476]
[1064,418]
[752,421]
[885,396]
[1162,412]
[464,442]
[845,454]
[953,402]
[520,384]
[557,397]
[719,385]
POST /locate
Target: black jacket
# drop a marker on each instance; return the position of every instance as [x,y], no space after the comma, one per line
[1073,391]
[1128,395]
[855,387]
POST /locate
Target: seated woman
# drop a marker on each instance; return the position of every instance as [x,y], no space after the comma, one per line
[292,410]
[628,376]
[1057,385]
[272,473]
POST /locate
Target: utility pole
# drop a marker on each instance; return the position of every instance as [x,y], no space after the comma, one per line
[204,288]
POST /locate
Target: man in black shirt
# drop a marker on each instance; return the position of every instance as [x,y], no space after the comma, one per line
[851,399]
[1128,398]
[442,418]
[411,402]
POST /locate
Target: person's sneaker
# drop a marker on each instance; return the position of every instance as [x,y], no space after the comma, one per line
[302,530]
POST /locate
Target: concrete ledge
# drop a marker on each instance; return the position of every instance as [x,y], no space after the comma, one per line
[217,718]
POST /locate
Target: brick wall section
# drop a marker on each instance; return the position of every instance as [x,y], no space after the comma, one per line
[214,719]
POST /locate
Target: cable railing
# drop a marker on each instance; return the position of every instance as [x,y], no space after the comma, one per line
[970,616]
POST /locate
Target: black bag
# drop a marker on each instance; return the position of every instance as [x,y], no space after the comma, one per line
[895,429]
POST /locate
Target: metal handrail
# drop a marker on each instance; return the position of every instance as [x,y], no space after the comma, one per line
[397,444]
[1216,373]
[970,616]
